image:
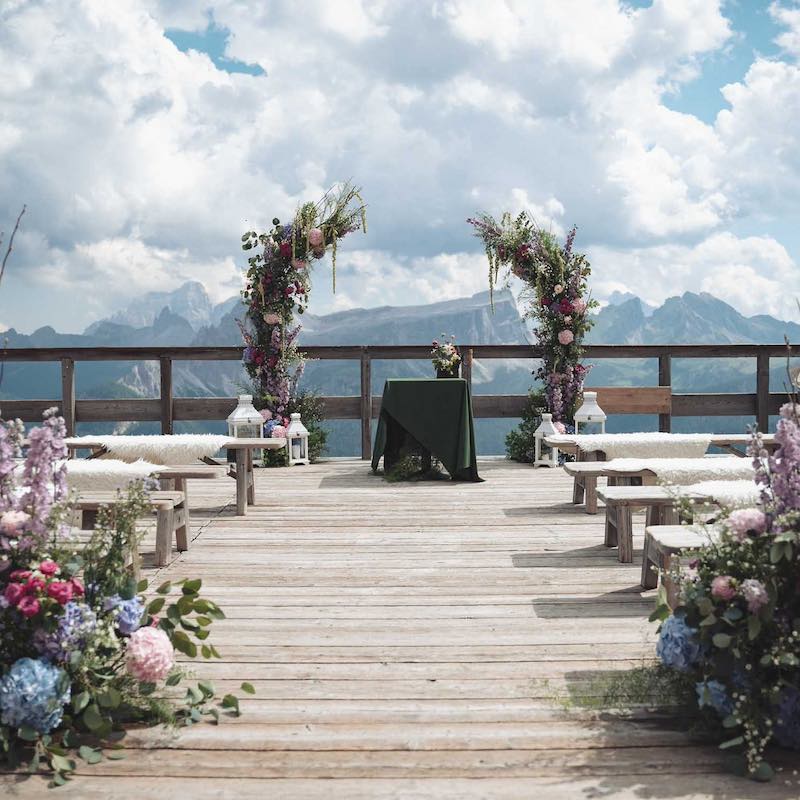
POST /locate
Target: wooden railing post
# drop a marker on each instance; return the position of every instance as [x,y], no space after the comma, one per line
[68,394]
[166,395]
[366,405]
[762,392]
[466,366]
[665,379]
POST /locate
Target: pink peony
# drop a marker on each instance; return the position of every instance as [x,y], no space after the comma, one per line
[579,306]
[29,606]
[756,595]
[12,521]
[747,520]
[77,587]
[34,586]
[48,567]
[315,237]
[271,319]
[20,575]
[566,337]
[13,593]
[149,656]
[279,432]
[60,591]
[722,587]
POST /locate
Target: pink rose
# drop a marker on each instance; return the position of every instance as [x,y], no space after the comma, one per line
[48,567]
[20,575]
[34,586]
[567,320]
[722,587]
[13,593]
[12,521]
[747,520]
[271,319]
[29,606]
[566,337]
[77,587]
[315,237]
[60,591]
[279,432]
[149,656]
[558,288]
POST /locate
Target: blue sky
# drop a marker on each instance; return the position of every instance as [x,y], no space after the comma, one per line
[147,135]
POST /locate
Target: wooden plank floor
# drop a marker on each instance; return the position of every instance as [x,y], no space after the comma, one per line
[414,641]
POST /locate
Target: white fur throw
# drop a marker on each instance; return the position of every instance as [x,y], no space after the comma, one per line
[734,494]
[643,445]
[687,470]
[178,448]
[104,475]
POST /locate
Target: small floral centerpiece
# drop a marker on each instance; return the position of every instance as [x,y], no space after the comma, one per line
[445,357]
[734,632]
[82,649]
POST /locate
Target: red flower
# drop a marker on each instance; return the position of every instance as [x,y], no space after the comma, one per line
[60,591]
[48,567]
[289,290]
[29,606]
[34,585]
[286,249]
[20,575]
[565,307]
[77,587]
[13,593]
[545,301]
[258,358]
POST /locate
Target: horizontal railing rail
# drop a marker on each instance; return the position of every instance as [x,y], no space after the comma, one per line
[167,409]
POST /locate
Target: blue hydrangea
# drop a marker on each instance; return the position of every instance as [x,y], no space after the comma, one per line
[678,646]
[128,613]
[787,725]
[713,694]
[77,623]
[33,694]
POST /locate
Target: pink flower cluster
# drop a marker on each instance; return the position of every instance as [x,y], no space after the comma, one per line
[149,655]
[745,521]
[723,587]
[29,590]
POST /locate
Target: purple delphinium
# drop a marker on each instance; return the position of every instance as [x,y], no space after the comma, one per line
[787,725]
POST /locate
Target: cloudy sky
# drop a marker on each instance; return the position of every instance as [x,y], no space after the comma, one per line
[146,135]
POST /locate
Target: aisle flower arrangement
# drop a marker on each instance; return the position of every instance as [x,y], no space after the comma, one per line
[278,287]
[556,281]
[735,631]
[82,649]
[445,356]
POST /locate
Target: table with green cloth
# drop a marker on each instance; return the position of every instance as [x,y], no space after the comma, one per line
[437,413]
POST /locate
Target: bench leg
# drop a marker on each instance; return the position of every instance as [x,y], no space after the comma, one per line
[577,490]
[624,534]
[182,517]
[649,564]
[611,526]
[590,486]
[165,527]
[241,481]
[251,480]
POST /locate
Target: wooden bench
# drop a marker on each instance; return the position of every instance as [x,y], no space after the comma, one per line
[171,518]
[661,543]
[622,500]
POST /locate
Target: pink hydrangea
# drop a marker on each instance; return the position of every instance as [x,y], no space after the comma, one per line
[279,432]
[13,521]
[566,337]
[579,306]
[722,587]
[315,237]
[149,655]
[746,520]
[756,595]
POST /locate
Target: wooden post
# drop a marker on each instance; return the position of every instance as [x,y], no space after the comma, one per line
[762,392]
[466,366]
[68,394]
[166,395]
[665,379]
[366,405]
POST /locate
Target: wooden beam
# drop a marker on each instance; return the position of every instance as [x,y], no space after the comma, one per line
[68,394]
[762,392]
[366,405]
[665,379]
[466,365]
[166,395]
[634,399]
[713,405]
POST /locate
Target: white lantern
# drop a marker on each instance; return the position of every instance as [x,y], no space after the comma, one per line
[542,458]
[297,442]
[244,422]
[794,374]
[590,414]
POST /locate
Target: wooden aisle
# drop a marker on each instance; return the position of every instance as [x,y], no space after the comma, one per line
[413,641]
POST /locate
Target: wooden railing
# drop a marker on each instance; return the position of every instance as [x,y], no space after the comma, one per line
[364,407]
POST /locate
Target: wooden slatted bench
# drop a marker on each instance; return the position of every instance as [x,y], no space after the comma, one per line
[586,474]
[171,518]
[622,500]
[661,543]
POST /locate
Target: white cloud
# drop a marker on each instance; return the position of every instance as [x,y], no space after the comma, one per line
[789,17]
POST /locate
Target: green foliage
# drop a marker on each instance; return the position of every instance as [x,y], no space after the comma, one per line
[309,406]
[520,443]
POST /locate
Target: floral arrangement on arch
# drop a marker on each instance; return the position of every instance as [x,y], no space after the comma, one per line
[278,286]
[734,632]
[82,651]
[556,286]
[445,356]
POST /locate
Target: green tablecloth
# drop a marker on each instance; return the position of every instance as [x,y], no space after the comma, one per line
[438,414]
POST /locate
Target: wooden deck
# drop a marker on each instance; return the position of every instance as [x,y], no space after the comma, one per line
[413,641]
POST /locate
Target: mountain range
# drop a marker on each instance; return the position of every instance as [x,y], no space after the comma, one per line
[187,316]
